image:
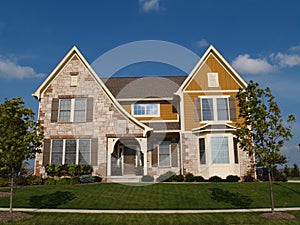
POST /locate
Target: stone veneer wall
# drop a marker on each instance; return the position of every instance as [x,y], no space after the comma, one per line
[106,118]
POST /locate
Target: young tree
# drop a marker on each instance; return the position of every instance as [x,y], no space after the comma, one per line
[20,138]
[286,170]
[262,131]
[295,171]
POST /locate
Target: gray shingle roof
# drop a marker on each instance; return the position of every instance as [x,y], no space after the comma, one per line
[143,87]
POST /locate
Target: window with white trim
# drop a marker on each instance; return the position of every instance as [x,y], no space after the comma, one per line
[215,108]
[146,109]
[219,150]
[164,158]
[72,110]
[71,151]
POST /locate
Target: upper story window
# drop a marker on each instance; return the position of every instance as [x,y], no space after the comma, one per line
[72,110]
[215,108]
[148,109]
[213,80]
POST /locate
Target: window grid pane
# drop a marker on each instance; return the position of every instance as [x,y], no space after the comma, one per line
[84,151]
[57,151]
[222,106]
[164,153]
[219,148]
[151,109]
[202,151]
[207,109]
[80,110]
[139,109]
[70,155]
[65,110]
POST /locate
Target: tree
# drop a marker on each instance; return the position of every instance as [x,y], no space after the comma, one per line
[286,170]
[262,131]
[20,138]
[295,171]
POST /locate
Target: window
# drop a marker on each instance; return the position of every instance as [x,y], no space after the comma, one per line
[213,80]
[202,151]
[71,151]
[72,110]
[146,109]
[215,108]
[164,153]
[219,150]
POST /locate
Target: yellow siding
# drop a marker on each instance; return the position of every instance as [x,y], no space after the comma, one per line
[200,82]
[167,112]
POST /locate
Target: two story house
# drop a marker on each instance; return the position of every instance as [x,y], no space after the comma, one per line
[127,127]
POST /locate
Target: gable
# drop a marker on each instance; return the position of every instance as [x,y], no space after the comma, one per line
[212,65]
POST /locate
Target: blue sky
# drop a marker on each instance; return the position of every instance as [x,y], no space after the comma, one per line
[261,39]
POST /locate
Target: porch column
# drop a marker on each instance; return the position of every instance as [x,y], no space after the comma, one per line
[110,148]
[143,144]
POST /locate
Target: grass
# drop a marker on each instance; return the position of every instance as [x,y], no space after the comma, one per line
[157,196]
[163,219]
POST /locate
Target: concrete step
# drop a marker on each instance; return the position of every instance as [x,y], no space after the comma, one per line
[124,179]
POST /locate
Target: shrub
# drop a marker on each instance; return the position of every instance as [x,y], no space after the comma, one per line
[86,169]
[166,177]
[57,169]
[248,178]
[3,182]
[97,179]
[74,169]
[50,170]
[232,178]
[280,177]
[189,177]
[147,178]
[86,178]
[177,178]
[215,179]
[49,181]
[34,180]
[21,180]
[199,179]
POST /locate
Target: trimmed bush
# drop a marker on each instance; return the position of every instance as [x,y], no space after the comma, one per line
[21,181]
[97,179]
[215,179]
[177,178]
[49,181]
[199,179]
[189,177]
[34,180]
[166,177]
[3,182]
[232,178]
[248,178]
[147,178]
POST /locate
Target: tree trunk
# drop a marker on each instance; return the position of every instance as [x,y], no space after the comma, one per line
[271,190]
[11,194]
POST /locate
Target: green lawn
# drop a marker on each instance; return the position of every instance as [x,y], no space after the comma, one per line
[163,219]
[157,196]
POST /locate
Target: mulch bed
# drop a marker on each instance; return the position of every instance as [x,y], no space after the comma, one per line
[6,216]
[277,216]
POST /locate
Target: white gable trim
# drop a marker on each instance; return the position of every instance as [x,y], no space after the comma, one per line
[211,49]
[74,51]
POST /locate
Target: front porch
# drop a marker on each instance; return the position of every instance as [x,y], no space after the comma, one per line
[126,159]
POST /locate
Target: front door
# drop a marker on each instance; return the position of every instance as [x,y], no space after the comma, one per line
[129,160]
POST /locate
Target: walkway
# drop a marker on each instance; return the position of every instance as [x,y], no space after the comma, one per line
[147,211]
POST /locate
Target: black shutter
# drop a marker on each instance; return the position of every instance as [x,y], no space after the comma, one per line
[202,151]
[54,110]
[197,109]
[155,157]
[232,108]
[174,154]
[236,152]
[94,152]
[46,152]
[89,110]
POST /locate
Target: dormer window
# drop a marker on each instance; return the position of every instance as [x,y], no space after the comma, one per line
[145,109]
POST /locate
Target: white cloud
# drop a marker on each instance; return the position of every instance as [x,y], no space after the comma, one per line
[245,64]
[149,5]
[202,43]
[10,69]
[295,48]
[286,60]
